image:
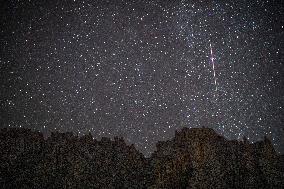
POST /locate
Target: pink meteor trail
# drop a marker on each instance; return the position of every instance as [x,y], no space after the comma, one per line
[212,60]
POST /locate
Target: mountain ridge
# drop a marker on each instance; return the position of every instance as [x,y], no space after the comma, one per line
[193,158]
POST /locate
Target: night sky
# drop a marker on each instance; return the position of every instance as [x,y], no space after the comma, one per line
[143,69]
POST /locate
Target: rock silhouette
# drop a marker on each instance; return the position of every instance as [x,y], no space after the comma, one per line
[194,158]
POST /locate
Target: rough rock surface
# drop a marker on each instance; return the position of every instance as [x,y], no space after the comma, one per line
[194,158]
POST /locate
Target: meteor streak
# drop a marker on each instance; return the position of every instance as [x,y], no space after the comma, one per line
[213,65]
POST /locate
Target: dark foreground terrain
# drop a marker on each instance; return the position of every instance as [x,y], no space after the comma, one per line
[194,158]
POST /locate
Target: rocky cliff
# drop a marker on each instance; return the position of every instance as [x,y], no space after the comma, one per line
[194,158]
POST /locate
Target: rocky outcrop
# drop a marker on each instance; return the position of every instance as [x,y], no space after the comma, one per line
[194,158]
[200,158]
[67,161]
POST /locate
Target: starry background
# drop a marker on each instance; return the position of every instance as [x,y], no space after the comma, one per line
[141,69]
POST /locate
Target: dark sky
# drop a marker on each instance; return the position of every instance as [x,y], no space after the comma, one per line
[143,69]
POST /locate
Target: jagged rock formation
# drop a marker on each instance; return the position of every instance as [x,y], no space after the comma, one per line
[194,158]
[67,161]
[199,158]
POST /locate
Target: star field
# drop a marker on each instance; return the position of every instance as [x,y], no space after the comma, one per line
[142,69]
